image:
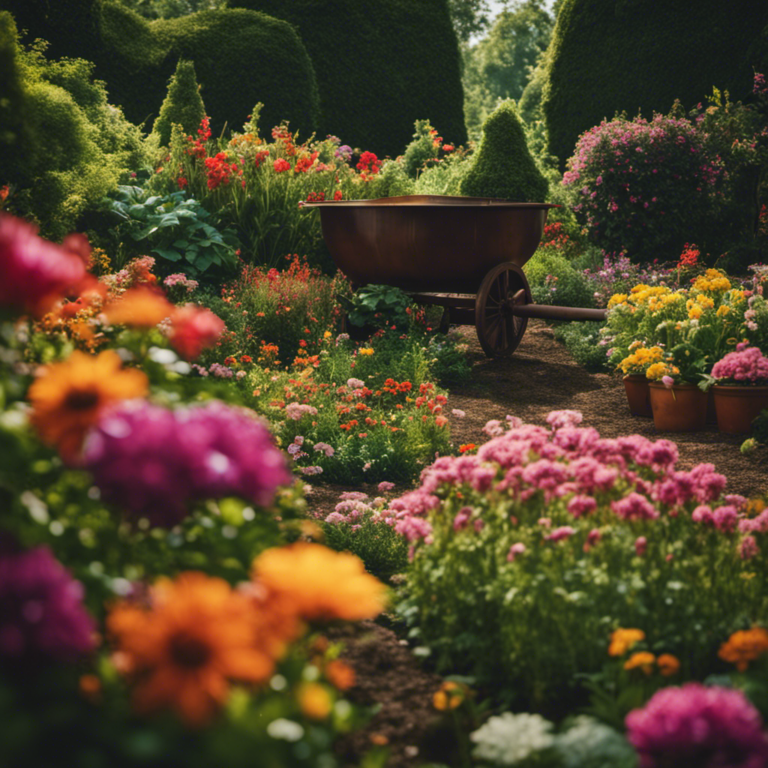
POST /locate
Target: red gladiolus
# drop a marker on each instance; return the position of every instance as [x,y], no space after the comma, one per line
[194,329]
[35,273]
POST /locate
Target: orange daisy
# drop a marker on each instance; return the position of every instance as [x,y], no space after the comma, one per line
[68,398]
[641,660]
[140,307]
[744,646]
[668,664]
[183,651]
[320,583]
[623,639]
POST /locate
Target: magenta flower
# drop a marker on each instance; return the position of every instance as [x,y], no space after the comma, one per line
[746,365]
[41,609]
[698,727]
[153,461]
[641,544]
[635,507]
[561,533]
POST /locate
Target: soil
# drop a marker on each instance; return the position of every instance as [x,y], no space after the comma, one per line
[540,377]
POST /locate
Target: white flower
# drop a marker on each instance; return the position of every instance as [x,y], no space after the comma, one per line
[509,739]
[588,743]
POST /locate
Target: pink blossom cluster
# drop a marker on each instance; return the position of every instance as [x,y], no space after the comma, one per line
[297,411]
[633,478]
[747,365]
[698,727]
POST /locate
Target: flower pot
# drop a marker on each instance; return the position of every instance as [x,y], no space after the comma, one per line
[737,406]
[681,408]
[638,395]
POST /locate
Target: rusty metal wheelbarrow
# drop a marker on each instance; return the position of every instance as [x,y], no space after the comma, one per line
[462,253]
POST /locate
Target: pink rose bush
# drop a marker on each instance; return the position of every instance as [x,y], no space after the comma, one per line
[548,535]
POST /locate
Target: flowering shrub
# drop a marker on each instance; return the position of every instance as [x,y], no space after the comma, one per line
[527,552]
[747,365]
[641,187]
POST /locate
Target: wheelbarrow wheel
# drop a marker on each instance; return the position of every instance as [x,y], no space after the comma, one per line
[498,329]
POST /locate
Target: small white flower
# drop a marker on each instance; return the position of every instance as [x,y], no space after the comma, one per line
[509,738]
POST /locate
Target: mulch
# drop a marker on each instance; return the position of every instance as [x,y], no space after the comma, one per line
[540,377]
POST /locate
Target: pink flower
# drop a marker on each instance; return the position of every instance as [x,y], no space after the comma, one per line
[459,414]
[667,381]
[493,428]
[566,418]
[563,532]
[641,544]
[698,727]
[463,516]
[635,507]
[745,365]
[748,548]
[194,329]
[515,550]
[385,486]
[34,273]
[580,506]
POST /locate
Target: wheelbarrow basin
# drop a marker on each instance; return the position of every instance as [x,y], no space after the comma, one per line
[429,243]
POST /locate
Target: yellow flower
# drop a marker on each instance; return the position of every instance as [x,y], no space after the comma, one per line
[314,701]
[450,695]
[694,313]
[641,660]
[623,639]
[617,298]
[366,351]
[705,302]
[668,664]
[657,371]
[723,310]
[319,583]
[744,646]
[327,335]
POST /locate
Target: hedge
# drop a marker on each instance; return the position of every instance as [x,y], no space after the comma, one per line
[240,58]
[381,65]
[610,56]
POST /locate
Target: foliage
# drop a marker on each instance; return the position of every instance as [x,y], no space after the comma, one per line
[503,167]
[499,66]
[469,17]
[379,305]
[383,78]
[609,56]
[527,556]
[582,340]
[75,145]
[554,280]
[645,188]
[445,176]
[423,150]
[171,9]
[177,228]
[182,106]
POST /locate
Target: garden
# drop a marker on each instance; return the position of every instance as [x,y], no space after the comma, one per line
[256,510]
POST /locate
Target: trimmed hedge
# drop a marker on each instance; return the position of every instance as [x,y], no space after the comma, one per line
[240,58]
[610,56]
[14,125]
[503,166]
[381,65]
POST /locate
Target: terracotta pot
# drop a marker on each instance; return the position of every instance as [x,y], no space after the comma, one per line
[638,395]
[682,408]
[737,406]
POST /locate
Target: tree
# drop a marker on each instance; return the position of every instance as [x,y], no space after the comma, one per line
[500,66]
[469,17]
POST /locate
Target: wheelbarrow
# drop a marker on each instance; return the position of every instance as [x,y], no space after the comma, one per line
[465,254]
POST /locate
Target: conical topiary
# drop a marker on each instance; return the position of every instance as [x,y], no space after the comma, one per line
[503,166]
[183,105]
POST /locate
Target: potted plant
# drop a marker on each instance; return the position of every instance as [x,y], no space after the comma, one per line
[678,402]
[634,367]
[740,388]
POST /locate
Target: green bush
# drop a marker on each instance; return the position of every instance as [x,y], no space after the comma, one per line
[76,145]
[554,280]
[14,128]
[503,166]
[240,57]
[380,65]
[582,340]
[183,105]
[609,56]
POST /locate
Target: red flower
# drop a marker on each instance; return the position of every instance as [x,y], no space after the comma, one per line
[35,273]
[194,329]
[281,165]
[337,195]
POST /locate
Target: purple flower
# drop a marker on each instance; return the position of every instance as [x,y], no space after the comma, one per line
[698,727]
[153,461]
[41,609]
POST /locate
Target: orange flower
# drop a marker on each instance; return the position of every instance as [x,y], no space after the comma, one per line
[449,696]
[668,664]
[744,646]
[320,583]
[339,674]
[623,639]
[69,397]
[641,660]
[467,447]
[182,652]
[139,308]
[314,701]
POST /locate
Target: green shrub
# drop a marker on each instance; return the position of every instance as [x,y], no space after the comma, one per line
[380,65]
[503,166]
[183,104]
[14,128]
[76,146]
[553,280]
[608,57]
[582,340]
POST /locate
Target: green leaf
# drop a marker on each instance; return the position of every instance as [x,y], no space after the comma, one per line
[169,220]
[166,254]
[181,244]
